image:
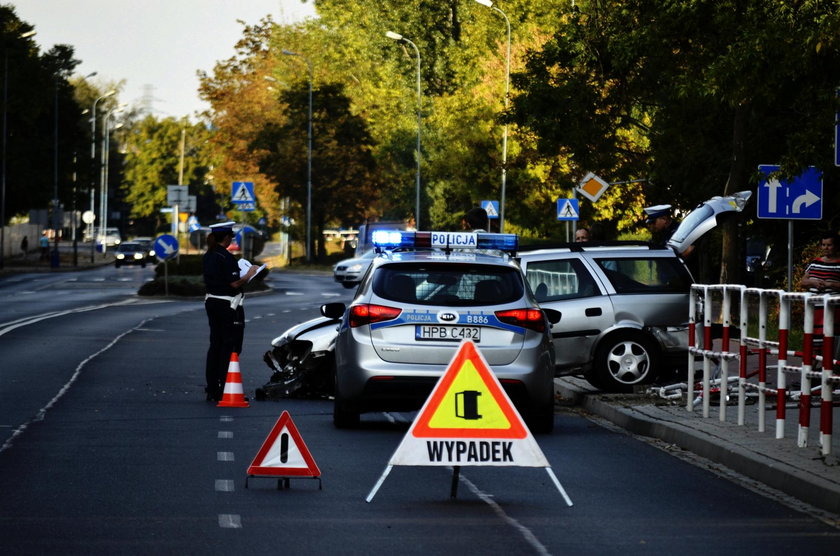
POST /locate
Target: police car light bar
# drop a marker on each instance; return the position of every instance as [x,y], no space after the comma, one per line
[395,239]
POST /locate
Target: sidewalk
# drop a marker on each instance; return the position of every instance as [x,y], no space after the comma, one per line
[800,472]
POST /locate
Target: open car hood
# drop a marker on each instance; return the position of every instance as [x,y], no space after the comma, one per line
[705,217]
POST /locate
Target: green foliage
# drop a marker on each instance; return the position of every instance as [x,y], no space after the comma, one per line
[153,161]
[42,119]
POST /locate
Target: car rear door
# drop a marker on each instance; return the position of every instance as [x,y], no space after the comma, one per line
[566,283]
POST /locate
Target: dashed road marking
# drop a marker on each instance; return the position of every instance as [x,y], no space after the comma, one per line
[225,434]
[224,485]
[224,456]
[230,521]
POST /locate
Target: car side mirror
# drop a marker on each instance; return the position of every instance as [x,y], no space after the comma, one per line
[333,310]
[553,315]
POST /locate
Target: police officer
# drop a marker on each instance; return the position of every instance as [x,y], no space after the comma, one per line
[660,223]
[223,304]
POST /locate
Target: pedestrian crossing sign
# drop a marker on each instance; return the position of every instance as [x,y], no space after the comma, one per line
[242,192]
[491,208]
[568,209]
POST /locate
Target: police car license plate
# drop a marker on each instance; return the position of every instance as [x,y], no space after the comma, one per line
[451,333]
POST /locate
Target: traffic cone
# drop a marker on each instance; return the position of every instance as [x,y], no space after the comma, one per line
[233,395]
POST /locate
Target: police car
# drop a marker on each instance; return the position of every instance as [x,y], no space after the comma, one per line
[424,294]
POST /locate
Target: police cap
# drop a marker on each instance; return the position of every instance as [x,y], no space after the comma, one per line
[654,212]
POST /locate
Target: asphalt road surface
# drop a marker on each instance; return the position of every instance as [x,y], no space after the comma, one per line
[108,447]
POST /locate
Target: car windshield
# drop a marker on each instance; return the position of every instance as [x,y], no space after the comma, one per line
[450,284]
[646,275]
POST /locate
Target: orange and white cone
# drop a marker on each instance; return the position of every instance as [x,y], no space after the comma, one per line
[233,396]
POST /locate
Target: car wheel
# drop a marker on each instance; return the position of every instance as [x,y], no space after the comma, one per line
[117,265]
[624,360]
[349,285]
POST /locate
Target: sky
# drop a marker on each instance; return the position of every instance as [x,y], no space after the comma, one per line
[156,46]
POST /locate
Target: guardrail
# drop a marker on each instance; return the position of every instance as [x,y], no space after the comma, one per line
[815,372]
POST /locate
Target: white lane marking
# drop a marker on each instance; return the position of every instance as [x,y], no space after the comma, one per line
[224,485]
[225,434]
[7,327]
[530,538]
[294,293]
[39,416]
[226,419]
[230,521]
[224,456]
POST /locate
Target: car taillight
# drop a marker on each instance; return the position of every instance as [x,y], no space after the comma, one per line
[526,318]
[367,313]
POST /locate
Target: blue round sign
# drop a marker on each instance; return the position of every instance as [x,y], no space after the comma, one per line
[166,246]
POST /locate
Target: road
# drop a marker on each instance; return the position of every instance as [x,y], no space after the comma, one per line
[107,446]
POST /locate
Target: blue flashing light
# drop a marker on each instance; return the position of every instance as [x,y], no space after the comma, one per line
[502,242]
[392,239]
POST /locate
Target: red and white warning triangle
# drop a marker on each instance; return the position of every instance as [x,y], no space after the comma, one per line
[284,454]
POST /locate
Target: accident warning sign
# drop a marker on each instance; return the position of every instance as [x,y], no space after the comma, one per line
[469,420]
[284,454]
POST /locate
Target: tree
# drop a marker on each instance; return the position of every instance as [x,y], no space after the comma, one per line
[42,119]
[153,161]
[688,95]
[344,178]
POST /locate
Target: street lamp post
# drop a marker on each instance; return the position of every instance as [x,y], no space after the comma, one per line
[398,37]
[308,160]
[92,226]
[3,178]
[103,188]
[490,5]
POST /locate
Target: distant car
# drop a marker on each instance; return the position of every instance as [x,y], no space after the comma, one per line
[413,308]
[349,272]
[130,252]
[149,244]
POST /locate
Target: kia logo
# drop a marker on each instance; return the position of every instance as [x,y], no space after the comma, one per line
[447,317]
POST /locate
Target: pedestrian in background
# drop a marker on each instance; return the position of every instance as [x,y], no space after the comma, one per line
[223,304]
[475,220]
[582,235]
[24,246]
[823,273]
[44,242]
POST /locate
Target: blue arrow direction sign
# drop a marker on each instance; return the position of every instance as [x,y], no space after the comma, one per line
[166,246]
[568,209]
[796,199]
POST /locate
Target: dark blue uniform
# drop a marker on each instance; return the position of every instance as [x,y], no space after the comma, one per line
[227,324]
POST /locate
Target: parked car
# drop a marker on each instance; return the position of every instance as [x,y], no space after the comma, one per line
[624,310]
[349,272]
[416,304]
[130,252]
[112,237]
[624,307]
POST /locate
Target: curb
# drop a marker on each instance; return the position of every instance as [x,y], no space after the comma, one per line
[763,467]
